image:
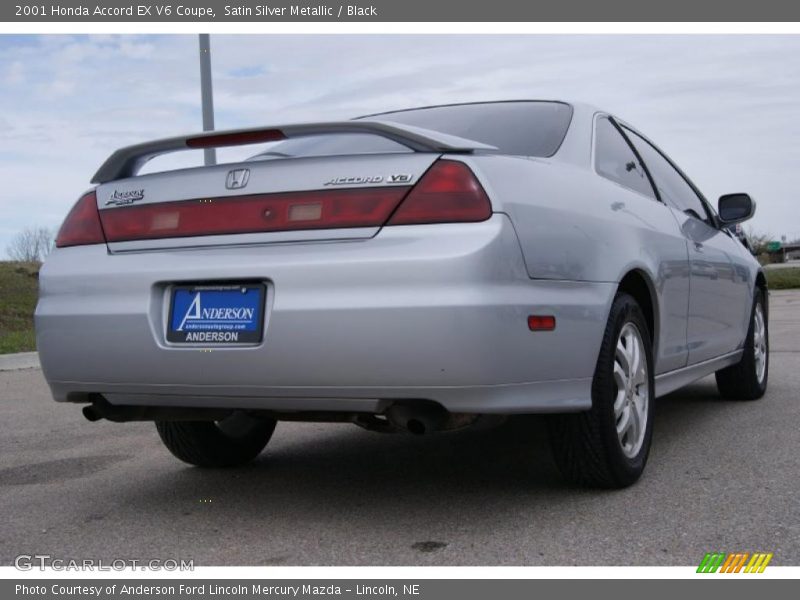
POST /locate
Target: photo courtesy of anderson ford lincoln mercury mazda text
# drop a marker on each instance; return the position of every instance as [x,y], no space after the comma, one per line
[419,270]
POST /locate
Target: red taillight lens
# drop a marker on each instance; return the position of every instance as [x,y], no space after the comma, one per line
[82,225]
[447,193]
[235,139]
[324,209]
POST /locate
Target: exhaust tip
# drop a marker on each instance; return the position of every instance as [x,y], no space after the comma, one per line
[416,426]
[91,414]
[417,416]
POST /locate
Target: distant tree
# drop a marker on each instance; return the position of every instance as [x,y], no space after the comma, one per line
[31,245]
[758,240]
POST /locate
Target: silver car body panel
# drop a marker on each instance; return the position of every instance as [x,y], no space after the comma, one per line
[356,318]
[673,380]
[722,279]
[406,314]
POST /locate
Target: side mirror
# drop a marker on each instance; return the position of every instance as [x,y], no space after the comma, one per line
[735,208]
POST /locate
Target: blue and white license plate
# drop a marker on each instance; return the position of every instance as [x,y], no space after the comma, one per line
[217,314]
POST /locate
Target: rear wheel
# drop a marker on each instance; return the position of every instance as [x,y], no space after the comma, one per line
[234,441]
[608,445]
[747,379]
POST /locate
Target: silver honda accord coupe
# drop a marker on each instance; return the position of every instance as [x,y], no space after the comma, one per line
[420,270]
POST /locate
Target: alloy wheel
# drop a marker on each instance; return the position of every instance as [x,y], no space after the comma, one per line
[760,343]
[632,399]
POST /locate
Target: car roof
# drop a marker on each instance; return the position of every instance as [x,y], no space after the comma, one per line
[576,146]
[582,106]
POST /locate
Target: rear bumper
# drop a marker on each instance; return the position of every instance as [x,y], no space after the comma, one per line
[433,312]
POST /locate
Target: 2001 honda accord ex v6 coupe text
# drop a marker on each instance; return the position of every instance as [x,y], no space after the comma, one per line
[418,270]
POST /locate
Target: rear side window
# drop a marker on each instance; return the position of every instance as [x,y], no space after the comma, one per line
[673,188]
[518,128]
[330,145]
[614,159]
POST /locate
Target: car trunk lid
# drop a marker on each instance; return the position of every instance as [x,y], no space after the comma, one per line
[280,200]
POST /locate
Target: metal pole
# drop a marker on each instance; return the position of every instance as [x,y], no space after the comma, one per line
[207,95]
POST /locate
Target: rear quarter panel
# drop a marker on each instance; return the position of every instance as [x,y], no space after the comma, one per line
[574,225]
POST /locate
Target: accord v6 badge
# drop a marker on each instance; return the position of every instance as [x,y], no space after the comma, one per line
[354,180]
[397,178]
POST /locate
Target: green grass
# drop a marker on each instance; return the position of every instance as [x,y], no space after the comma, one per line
[19,287]
[783,279]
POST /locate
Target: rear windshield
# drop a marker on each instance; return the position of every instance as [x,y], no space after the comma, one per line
[337,144]
[521,128]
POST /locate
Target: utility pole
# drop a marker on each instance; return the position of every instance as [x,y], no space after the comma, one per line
[207,95]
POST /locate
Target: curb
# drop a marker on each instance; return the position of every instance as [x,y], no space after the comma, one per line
[21,360]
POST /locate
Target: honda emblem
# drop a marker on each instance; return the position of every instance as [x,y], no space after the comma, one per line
[237,179]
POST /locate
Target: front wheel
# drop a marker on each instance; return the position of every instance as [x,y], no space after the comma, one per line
[231,442]
[747,379]
[608,445]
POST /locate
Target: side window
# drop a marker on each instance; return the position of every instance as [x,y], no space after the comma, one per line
[672,187]
[614,159]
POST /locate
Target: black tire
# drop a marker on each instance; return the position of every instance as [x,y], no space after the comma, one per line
[232,442]
[585,445]
[740,381]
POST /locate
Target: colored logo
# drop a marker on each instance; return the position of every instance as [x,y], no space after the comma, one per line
[226,314]
[735,562]
[218,316]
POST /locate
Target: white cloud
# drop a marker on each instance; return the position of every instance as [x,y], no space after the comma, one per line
[15,74]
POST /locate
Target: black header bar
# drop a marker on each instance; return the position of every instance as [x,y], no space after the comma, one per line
[463,11]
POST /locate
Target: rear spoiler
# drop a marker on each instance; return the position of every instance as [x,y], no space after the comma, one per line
[126,162]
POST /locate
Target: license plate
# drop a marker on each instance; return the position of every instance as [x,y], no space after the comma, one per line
[216,314]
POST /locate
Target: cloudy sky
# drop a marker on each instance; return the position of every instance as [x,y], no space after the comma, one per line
[726,108]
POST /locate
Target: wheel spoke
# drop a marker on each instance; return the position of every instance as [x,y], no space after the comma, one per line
[636,354]
[640,407]
[619,403]
[640,377]
[624,423]
[621,380]
[635,424]
[624,357]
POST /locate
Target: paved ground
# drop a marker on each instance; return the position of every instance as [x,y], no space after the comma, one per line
[20,360]
[722,476]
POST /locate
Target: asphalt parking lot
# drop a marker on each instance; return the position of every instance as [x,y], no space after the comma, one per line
[722,476]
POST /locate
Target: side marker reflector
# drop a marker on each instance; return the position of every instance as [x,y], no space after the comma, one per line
[541,322]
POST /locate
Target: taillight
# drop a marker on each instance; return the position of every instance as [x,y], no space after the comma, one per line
[322,209]
[447,193]
[82,225]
